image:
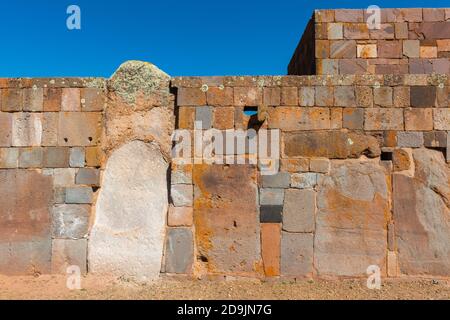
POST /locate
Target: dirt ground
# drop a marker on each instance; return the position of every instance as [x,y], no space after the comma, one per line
[54,287]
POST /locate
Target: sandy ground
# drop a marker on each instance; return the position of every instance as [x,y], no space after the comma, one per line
[54,287]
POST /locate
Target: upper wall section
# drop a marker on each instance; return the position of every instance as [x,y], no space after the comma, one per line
[415,41]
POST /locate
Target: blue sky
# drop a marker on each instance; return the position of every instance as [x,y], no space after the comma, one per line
[196,37]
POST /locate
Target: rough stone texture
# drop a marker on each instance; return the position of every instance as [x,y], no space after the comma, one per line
[226,219]
[5,129]
[9,158]
[353,118]
[182,195]
[33,99]
[410,139]
[79,128]
[271,213]
[68,253]
[271,248]
[26,129]
[180,216]
[293,119]
[279,180]
[179,250]
[271,196]
[351,224]
[77,158]
[383,119]
[320,165]
[70,221]
[205,116]
[441,118]
[423,96]
[79,195]
[306,180]
[419,119]
[71,99]
[56,157]
[297,254]
[400,160]
[31,157]
[128,233]
[88,176]
[25,242]
[299,211]
[421,212]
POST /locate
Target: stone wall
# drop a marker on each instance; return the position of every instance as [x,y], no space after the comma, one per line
[414,41]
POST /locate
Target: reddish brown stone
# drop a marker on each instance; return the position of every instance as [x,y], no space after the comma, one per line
[180,216]
[419,119]
[191,97]
[52,99]
[270,248]
[93,99]
[383,119]
[223,118]
[11,100]
[294,118]
[343,49]
[400,160]
[353,66]
[389,49]
[219,96]
[289,96]
[322,49]
[247,96]
[5,129]
[79,128]
[423,96]
[272,97]
[357,31]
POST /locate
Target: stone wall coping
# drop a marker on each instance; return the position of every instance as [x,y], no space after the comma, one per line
[64,82]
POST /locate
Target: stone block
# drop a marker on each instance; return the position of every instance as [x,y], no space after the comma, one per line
[306,180]
[204,115]
[271,248]
[401,30]
[367,51]
[33,99]
[324,15]
[390,49]
[327,66]
[68,253]
[349,15]
[386,31]
[364,97]
[179,251]
[52,99]
[324,96]
[294,165]
[320,165]
[335,31]
[88,176]
[356,31]
[180,216]
[430,14]
[49,129]
[411,48]
[306,96]
[279,180]
[272,96]
[182,195]
[343,49]
[294,118]
[9,158]
[70,99]
[402,97]
[11,100]
[92,99]
[392,264]
[383,119]
[299,211]
[344,96]
[289,96]
[296,254]
[271,196]
[191,97]
[79,128]
[391,237]
[79,195]
[247,96]
[27,129]
[186,117]
[336,118]
[220,96]
[419,119]
[181,174]
[428,52]
[423,96]
[94,156]
[390,138]
[64,177]
[271,214]
[56,157]
[77,158]
[70,221]
[353,66]
[383,96]
[31,157]
[435,139]
[223,118]
[400,160]
[5,129]
[410,139]
[353,118]
[441,118]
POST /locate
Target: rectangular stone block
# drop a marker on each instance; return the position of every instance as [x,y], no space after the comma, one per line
[247,96]
[71,99]
[219,96]
[441,118]
[423,96]
[402,97]
[79,195]
[11,100]
[306,180]
[182,195]
[70,221]
[435,139]
[33,99]
[9,158]
[271,196]
[79,128]
[68,253]
[448,148]
[383,119]
[181,174]
[353,118]
[204,115]
[343,49]
[401,30]
[180,216]
[272,96]
[271,214]
[348,15]
[271,248]
[94,156]
[306,96]
[179,255]
[52,99]
[383,96]
[296,254]
[299,211]
[419,119]
[294,118]
[92,99]
[356,31]
[223,118]
[410,139]
[390,49]
[327,66]
[367,51]
[353,66]
[27,129]
[63,177]
[279,180]
[88,176]
[294,165]
[191,97]
[49,129]
[431,14]
[77,158]
[344,96]
[320,165]
[5,129]
[56,157]
[31,157]
[324,96]
[385,31]
[289,96]
[364,97]
[411,48]
[335,31]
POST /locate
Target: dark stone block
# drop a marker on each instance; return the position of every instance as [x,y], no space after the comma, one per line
[271,214]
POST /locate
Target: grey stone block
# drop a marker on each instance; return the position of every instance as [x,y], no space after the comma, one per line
[409,139]
[179,250]
[296,254]
[88,176]
[31,157]
[70,221]
[271,214]
[182,195]
[205,116]
[9,158]
[77,157]
[435,139]
[79,195]
[279,180]
[68,253]
[299,210]
[56,157]
[304,180]
[59,195]
[181,175]
[271,196]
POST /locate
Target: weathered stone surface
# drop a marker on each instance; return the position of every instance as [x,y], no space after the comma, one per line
[56,157]
[128,233]
[435,139]
[79,128]
[88,176]
[299,211]
[330,144]
[79,195]
[306,96]
[25,242]
[5,129]
[324,96]
[320,165]
[182,195]
[270,213]
[33,99]
[383,96]
[52,99]
[94,99]
[419,119]
[226,220]
[68,253]
[271,196]
[441,118]
[271,248]
[31,157]
[353,118]
[180,216]
[179,250]
[423,96]
[410,139]
[294,165]
[306,180]
[400,160]
[351,224]
[344,96]
[204,115]
[297,254]
[421,211]
[50,129]
[71,99]
[27,129]
[77,158]
[70,221]
[411,48]
[279,180]
[294,118]
[343,49]
[9,158]
[383,119]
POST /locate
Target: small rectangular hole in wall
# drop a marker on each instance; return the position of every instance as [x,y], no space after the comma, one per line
[386,156]
[250,111]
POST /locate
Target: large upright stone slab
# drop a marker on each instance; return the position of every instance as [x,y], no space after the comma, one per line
[128,233]
[352,212]
[25,231]
[422,216]
[226,220]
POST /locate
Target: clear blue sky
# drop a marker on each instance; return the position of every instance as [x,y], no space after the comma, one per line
[191,37]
